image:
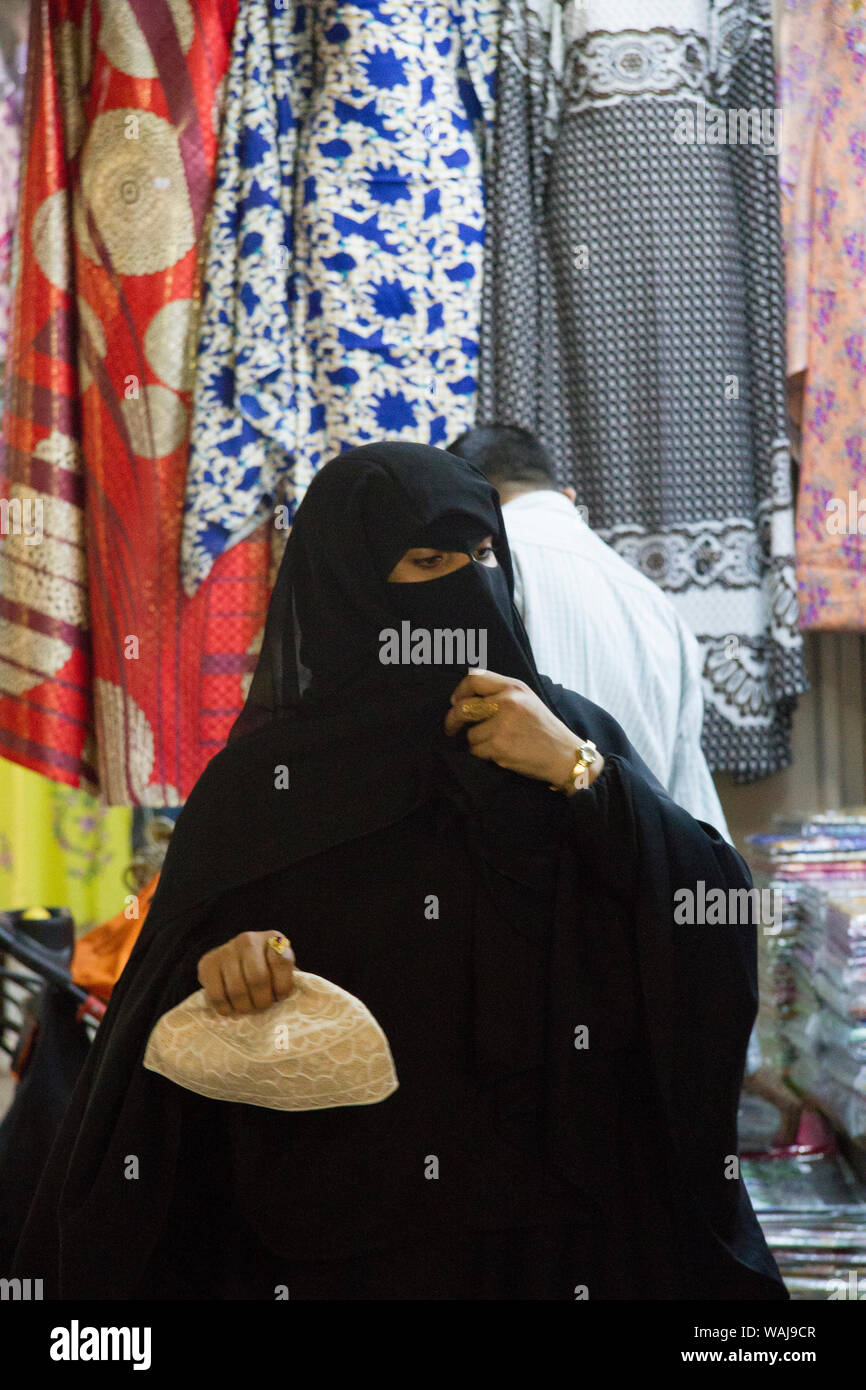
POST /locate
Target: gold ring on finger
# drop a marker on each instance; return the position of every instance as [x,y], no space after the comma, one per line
[279,943]
[479,709]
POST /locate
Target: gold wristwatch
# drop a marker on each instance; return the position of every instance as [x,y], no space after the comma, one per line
[586,754]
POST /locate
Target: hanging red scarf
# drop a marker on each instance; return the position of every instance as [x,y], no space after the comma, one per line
[109,677]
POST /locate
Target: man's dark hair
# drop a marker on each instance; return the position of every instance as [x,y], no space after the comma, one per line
[506,454]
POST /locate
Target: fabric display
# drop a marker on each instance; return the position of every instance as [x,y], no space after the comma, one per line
[83,849]
[59,846]
[815,978]
[52,1057]
[647,356]
[13,52]
[778,982]
[79,857]
[828,1032]
[823,181]
[810,1203]
[811,1209]
[347,240]
[109,678]
[375,221]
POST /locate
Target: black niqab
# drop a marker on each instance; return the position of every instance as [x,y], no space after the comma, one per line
[321,649]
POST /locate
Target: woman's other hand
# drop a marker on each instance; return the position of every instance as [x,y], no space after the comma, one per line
[523,735]
[246,974]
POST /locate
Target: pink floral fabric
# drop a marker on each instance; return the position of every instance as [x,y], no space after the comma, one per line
[11,101]
[823,175]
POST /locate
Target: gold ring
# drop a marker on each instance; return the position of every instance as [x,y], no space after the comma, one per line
[479,709]
[279,943]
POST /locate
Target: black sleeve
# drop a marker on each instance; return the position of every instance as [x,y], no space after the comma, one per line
[600,818]
[695,988]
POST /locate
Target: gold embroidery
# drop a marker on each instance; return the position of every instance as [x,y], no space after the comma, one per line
[169,346]
[122,724]
[158,410]
[125,46]
[37,657]
[50,239]
[136,191]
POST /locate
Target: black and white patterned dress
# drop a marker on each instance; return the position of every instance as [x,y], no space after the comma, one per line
[634,319]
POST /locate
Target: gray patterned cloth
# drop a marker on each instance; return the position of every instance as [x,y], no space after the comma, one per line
[633,318]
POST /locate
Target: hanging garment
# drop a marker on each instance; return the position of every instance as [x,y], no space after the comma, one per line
[633,320]
[101,954]
[342,295]
[823,178]
[109,679]
[13,24]
[59,847]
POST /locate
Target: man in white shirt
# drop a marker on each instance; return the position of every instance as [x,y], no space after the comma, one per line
[596,625]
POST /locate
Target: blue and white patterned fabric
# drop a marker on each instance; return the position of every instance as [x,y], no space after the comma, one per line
[342,288]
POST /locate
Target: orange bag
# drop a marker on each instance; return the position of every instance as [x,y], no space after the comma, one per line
[100,955]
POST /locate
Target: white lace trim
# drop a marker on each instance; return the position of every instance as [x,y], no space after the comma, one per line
[580,56]
[609,68]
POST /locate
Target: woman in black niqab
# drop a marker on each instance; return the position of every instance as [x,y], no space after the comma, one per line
[569,1059]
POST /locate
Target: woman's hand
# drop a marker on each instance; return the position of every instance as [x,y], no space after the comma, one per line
[246,974]
[524,735]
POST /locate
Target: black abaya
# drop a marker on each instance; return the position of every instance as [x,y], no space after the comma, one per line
[438,1166]
[633,1183]
[560,1164]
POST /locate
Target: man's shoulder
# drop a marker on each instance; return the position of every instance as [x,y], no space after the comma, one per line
[571,540]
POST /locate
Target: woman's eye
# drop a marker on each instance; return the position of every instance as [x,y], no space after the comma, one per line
[482,552]
[428,562]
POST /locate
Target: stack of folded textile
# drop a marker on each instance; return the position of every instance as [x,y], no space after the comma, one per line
[810,1203]
[811,1209]
[813,960]
[830,1043]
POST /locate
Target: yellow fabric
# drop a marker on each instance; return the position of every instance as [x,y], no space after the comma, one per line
[60,848]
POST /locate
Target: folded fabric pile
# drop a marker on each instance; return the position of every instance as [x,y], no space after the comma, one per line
[814,967]
[811,1209]
[829,1041]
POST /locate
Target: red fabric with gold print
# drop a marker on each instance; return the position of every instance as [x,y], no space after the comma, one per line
[110,678]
